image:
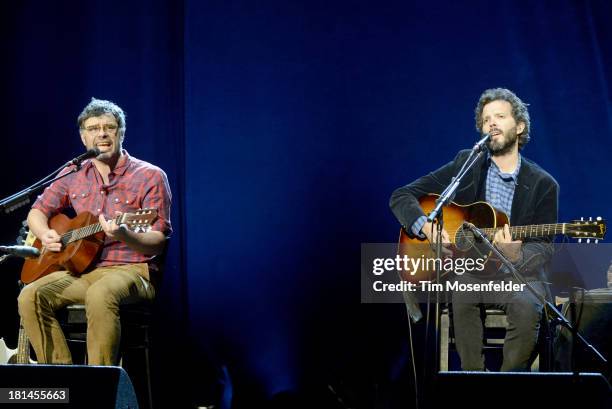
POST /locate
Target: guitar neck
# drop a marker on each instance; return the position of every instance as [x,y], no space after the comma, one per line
[81,233]
[134,221]
[534,230]
[23,346]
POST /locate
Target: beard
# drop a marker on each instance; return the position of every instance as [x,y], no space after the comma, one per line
[505,145]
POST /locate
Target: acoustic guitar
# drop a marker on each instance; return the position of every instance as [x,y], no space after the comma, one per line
[82,239]
[489,220]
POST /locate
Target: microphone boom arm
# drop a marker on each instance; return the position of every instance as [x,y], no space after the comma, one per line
[449,193]
[22,198]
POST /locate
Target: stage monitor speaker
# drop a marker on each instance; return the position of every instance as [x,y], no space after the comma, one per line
[595,324]
[99,387]
[520,390]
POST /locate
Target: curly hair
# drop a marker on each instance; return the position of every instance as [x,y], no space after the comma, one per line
[97,107]
[520,113]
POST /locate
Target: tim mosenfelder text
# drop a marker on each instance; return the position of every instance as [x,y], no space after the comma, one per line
[491,286]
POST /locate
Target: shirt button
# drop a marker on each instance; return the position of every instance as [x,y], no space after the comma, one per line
[116,200]
[101,192]
[99,210]
[73,196]
[127,202]
[82,194]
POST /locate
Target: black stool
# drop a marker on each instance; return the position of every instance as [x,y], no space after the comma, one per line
[135,336]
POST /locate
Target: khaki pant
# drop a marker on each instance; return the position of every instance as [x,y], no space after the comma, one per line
[102,291]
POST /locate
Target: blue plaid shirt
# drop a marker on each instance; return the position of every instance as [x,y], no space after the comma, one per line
[500,186]
[499,192]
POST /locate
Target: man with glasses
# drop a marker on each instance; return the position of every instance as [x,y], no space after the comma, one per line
[110,184]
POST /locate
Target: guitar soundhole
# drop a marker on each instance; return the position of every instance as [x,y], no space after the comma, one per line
[464,239]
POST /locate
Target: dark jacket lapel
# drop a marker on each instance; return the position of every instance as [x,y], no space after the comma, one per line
[526,179]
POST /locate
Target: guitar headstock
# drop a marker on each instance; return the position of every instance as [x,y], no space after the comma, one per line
[26,237]
[586,229]
[139,221]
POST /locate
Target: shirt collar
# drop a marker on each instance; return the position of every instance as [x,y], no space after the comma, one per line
[506,176]
[122,165]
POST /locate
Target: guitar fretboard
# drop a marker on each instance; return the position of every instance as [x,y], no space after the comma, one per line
[535,230]
[81,233]
[23,346]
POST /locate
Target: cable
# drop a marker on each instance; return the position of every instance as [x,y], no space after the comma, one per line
[414,371]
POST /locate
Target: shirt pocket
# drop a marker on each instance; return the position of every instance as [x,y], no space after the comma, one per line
[81,200]
[124,201]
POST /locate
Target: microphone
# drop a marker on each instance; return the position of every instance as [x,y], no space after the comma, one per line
[481,143]
[92,153]
[20,251]
[474,230]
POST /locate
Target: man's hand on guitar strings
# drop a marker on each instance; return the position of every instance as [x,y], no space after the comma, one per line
[510,248]
[112,230]
[51,241]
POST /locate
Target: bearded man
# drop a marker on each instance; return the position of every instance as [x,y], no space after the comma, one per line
[527,194]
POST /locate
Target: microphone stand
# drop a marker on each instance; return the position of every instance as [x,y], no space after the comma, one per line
[22,198]
[437,214]
[558,315]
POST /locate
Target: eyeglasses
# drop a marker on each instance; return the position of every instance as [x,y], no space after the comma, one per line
[110,128]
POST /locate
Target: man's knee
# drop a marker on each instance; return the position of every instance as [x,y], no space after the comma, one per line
[26,301]
[99,299]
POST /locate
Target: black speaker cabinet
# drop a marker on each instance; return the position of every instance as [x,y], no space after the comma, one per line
[520,390]
[595,324]
[100,387]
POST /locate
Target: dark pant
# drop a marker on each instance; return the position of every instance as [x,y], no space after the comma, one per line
[523,312]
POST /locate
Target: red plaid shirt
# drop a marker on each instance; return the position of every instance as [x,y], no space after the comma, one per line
[133,184]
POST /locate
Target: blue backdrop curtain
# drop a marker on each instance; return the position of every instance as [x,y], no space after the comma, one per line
[284,126]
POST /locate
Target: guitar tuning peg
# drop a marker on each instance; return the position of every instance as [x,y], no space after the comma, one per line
[596,241]
[582,219]
[579,240]
[590,219]
[588,240]
[598,218]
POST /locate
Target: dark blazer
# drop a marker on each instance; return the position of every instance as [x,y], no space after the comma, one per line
[535,201]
